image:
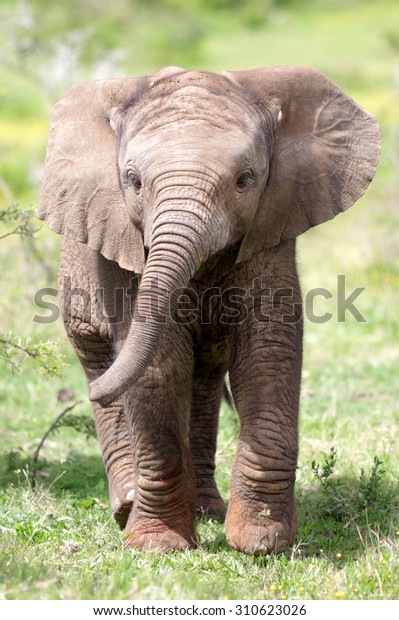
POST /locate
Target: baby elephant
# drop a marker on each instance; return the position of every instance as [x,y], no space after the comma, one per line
[180,196]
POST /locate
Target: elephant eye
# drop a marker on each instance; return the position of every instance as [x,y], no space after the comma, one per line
[244,181]
[134,181]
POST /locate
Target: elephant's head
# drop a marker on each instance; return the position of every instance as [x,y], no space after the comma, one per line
[188,163]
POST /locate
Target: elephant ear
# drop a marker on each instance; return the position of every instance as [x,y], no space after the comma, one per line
[326,149]
[81,196]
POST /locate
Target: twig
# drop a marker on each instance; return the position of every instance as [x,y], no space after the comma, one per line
[47,433]
[13,232]
[36,355]
[9,343]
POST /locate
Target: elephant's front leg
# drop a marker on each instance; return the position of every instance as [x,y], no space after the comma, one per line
[265,380]
[159,404]
[111,424]
[116,447]
[83,275]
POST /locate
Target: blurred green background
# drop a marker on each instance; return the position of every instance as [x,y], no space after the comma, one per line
[351,370]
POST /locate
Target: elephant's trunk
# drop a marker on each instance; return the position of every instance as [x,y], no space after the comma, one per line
[178,247]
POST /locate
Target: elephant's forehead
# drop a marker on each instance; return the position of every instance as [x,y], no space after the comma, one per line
[194,104]
[189,142]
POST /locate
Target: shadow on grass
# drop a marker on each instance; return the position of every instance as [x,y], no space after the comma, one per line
[80,475]
[342,523]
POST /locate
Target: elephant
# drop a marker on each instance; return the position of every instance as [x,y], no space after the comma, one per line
[180,195]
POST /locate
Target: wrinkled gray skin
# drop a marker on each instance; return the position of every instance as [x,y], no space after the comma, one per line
[199,183]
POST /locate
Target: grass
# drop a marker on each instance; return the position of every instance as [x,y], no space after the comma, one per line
[59,539]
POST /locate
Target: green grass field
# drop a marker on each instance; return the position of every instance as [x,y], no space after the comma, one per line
[59,540]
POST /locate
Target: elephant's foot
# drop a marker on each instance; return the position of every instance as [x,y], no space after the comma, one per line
[209,504]
[260,533]
[154,534]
